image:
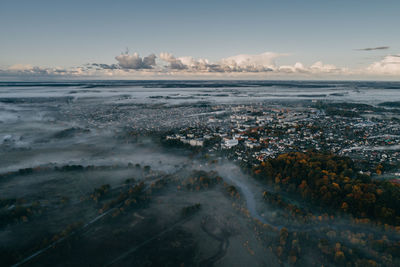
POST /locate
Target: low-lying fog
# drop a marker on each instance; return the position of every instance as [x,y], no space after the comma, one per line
[100,136]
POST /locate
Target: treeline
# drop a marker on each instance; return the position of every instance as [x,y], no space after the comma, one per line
[331,111]
[200,180]
[395,104]
[333,183]
[68,168]
[17,210]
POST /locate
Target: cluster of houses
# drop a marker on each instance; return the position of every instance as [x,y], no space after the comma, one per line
[189,139]
[253,133]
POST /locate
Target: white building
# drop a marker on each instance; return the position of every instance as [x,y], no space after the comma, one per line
[231,143]
[196,142]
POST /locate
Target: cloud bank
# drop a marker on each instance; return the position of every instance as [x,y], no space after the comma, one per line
[241,63]
[166,65]
[263,63]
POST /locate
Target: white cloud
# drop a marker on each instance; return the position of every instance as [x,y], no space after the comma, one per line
[174,63]
[251,63]
[319,67]
[389,65]
[296,68]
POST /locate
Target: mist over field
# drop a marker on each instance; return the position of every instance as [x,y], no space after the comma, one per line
[114,173]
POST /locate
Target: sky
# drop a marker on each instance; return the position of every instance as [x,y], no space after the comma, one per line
[308,39]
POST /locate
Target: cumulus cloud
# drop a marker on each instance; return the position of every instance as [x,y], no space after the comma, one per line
[135,62]
[319,67]
[316,69]
[374,48]
[251,63]
[262,65]
[296,68]
[174,63]
[241,63]
[389,65]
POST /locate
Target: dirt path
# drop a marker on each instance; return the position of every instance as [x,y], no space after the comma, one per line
[222,249]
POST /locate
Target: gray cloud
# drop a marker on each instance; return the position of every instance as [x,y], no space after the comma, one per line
[149,61]
[105,66]
[135,62]
[374,48]
[174,63]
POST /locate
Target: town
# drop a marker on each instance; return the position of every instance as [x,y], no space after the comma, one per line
[250,134]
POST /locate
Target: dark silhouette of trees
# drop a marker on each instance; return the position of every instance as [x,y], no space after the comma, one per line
[331,181]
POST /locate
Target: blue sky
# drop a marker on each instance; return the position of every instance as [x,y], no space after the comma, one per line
[69,34]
